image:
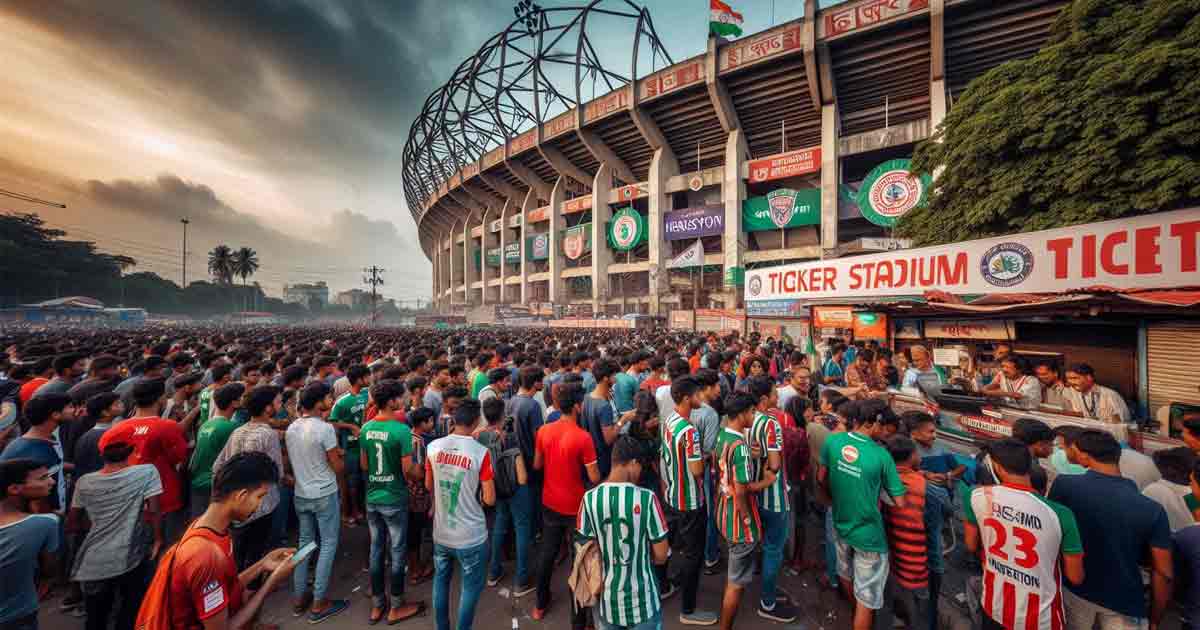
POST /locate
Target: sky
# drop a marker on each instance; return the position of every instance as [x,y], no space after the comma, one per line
[273,124]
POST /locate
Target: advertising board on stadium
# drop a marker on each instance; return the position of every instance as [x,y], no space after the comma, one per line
[1153,251]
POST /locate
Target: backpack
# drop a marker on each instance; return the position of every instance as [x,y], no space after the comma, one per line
[504,453]
[155,612]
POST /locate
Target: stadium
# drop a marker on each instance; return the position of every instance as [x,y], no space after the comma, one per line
[598,183]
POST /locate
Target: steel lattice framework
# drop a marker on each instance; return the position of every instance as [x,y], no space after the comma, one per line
[518,79]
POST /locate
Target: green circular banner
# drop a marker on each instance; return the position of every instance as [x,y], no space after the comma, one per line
[890,192]
[627,229]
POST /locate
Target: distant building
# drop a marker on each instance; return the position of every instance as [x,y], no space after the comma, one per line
[304,294]
[354,298]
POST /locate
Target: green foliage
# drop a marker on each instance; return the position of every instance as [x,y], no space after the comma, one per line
[220,264]
[1102,123]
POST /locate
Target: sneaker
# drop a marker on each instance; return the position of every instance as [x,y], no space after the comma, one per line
[781,612]
[699,618]
[708,564]
[335,607]
[521,590]
[670,591]
[538,614]
[493,581]
[712,568]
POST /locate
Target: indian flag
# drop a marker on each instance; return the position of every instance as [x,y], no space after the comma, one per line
[723,20]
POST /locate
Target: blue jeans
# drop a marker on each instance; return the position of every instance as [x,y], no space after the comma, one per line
[712,542]
[775,535]
[653,623]
[318,518]
[514,512]
[473,562]
[389,530]
[830,549]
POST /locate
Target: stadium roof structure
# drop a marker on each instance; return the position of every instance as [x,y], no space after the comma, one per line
[516,116]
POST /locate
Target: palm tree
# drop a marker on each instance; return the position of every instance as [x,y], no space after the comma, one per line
[244,264]
[220,264]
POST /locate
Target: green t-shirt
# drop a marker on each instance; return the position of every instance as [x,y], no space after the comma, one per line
[680,447]
[387,442]
[478,383]
[350,408]
[858,469]
[205,401]
[733,466]
[210,439]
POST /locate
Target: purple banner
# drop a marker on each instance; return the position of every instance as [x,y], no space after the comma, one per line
[694,222]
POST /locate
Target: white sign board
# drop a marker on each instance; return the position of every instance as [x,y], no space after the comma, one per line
[1153,251]
[945,356]
[693,256]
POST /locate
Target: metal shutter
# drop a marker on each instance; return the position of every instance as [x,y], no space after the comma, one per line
[1174,375]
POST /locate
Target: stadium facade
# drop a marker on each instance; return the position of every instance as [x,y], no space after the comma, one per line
[662,190]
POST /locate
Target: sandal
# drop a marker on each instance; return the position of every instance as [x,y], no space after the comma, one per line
[376,615]
[419,611]
[423,576]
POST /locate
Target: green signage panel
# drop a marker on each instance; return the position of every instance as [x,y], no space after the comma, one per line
[781,209]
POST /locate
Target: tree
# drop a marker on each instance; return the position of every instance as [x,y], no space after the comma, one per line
[39,264]
[1103,122]
[220,264]
[244,264]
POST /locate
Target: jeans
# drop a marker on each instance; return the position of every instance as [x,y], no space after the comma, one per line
[775,535]
[935,591]
[128,588]
[830,548]
[712,543]
[688,530]
[473,561]
[514,512]
[653,623]
[555,529]
[389,528]
[28,622]
[318,517]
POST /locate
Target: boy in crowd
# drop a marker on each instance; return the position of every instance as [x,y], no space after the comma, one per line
[628,524]
[737,507]
[211,439]
[316,461]
[27,539]
[419,499]
[512,512]
[854,468]
[1021,538]
[44,414]
[347,417]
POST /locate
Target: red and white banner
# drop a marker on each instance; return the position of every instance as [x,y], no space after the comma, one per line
[790,164]
[1147,252]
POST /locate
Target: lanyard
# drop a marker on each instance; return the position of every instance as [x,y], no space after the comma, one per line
[1015,389]
[1094,396]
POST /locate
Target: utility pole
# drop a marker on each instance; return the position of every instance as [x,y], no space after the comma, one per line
[375,279]
[185,223]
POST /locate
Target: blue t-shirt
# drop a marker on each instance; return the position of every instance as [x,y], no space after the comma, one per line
[42,452]
[1117,525]
[20,544]
[598,414]
[1185,550]
[625,388]
[589,381]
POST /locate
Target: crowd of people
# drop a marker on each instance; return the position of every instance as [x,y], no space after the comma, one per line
[174,477]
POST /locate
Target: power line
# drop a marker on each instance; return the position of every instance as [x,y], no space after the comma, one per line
[375,279]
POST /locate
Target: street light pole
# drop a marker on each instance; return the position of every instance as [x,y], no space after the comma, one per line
[185,223]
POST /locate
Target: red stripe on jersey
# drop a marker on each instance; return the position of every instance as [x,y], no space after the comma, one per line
[1033,612]
[1009,593]
[989,586]
[1057,617]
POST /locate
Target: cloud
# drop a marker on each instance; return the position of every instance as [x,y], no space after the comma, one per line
[335,251]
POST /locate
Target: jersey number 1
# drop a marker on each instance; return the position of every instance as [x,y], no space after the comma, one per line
[378,458]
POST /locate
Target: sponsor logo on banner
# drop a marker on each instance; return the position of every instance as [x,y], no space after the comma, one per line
[695,183]
[694,222]
[788,164]
[1147,252]
[850,453]
[890,192]
[833,317]
[693,256]
[755,285]
[985,426]
[631,192]
[783,206]
[1006,264]
[867,13]
[627,229]
[575,241]
[512,253]
[539,247]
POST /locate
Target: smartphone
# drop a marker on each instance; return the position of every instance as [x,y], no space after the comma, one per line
[303,553]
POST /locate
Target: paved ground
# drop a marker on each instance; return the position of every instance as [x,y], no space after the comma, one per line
[820,609]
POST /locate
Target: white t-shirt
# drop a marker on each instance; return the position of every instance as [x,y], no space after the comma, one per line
[308,442]
[1171,495]
[458,464]
[666,404]
[1138,468]
[1027,386]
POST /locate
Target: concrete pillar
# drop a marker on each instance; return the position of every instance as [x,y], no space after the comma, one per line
[830,178]
[733,193]
[528,204]
[437,280]
[663,166]
[453,265]
[508,204]
[468,262]
[485,243]
[601,255]
[937,63]
[557,262]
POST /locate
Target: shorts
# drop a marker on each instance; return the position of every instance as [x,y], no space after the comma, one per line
[741,563]
[866,570]
[1082,613]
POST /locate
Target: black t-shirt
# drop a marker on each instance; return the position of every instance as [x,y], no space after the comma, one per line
[527,414]
[87,452]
